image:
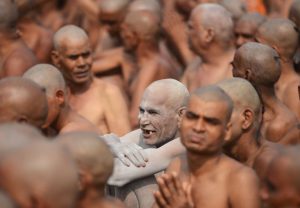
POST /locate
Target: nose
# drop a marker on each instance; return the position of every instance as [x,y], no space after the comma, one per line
[199,126]
[81,61]
[144,118]
[239,41]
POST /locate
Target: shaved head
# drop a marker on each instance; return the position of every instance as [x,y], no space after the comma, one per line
[217,18]
[68,33]
[257,63]
[113,10]
[214,93]
[149,5]
[47,76]
[280,34]
[175,93]
[144,23]
[51,165]
[16,135]
[236,7]
[91,154]
[8,15]
[22,101]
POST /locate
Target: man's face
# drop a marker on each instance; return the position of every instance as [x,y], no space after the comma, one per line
[277,190]
[245,32]
[75,60]
[157,119]
[196,33]
[129,37]
[238,68]
[204,126]
[236,121]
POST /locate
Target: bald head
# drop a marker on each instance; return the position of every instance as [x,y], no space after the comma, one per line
[70,34]
[148,5]
[258,63]
[280,34]
[174,93]
[48,77]
[22,101]
[16,135]
[236,7]
[217,18]
[242,93]
[144,23]
[294,14]
[56,171]
[113,10]
[8,15]
[214,93]
[91,154]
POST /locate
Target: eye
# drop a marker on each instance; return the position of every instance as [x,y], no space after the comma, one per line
[152,112]
[86,55]
[142,110]
[73,57]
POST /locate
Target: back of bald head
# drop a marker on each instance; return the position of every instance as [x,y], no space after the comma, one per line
[216,17]
[148,5]
[281,34]
[236,7]
[261,60]
[90,152]
[144,23]
[213,93]
[175,93]
[242,93]
[48,77]
[68,33]
[51,165]
[8,15]
[22,100]
[288,158]
[113,10]
[16,135]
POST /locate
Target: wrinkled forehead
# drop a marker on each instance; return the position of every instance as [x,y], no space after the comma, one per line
[157,100]
[78,43]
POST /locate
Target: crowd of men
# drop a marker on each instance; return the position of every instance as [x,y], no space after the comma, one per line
[149,104]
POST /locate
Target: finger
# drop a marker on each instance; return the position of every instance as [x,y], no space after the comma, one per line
[164,190]
[177,183]
[132,158]
[168,178]
[142,153]
[160,200]
[138,156]
[123,159]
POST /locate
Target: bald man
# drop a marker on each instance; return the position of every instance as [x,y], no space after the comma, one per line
[60,115]
[263,71]
[95,163]
[22,101]
[99,102]
[284,39]
[55,189]
[204,129]
[158,119]
[246,28]
[140,31]
[281,184]
[215,47]
[15,56]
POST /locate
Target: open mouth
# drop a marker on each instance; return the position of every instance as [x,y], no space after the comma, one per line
[147,133]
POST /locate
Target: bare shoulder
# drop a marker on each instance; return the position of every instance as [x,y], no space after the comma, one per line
[108,88]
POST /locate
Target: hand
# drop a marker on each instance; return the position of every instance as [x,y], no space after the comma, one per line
[171,193]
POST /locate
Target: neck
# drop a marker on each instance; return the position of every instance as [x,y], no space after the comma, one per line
[91,197]
[287,67]
[267,96]
[200,164]
[146,50]
[63,118]
[246,146]
[217,56]
[76,88]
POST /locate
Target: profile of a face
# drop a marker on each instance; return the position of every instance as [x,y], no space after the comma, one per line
[75,60]
[129,37]
[158,120]
[204,126]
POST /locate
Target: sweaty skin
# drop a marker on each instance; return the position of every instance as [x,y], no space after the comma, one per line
[204,128]
[215,50]
[263,72]
[99,102]
[15,56]
[284,39]
[60,115]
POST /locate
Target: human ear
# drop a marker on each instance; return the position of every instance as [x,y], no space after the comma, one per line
[248,117]
[228,132]
[180,113]
[84,180]
[60,97]
[55,58]
[209,35]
